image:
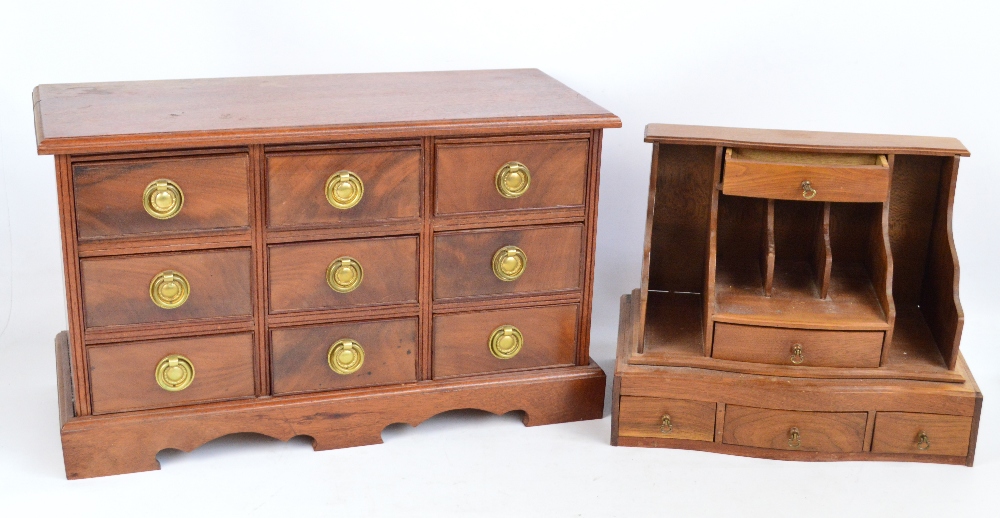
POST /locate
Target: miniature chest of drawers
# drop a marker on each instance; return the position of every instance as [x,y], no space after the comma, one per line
[799,300]
[319,256]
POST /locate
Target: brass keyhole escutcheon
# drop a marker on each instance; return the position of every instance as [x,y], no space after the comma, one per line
[162,199]
[506,342]
[923,442]
[797,357]
[513,179]
[174,373]
[344,274]
[345,356]
[794,438]
[666,426]
[344,189]
[807,190]
[169,289]
[509,263]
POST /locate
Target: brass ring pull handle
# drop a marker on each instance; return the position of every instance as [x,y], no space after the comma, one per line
[345,356]
[797,357]
[923,442]
[344,274]
[807,190]
[174,373]
[513,179]
[509,263]
[163,199]
[344,189]
[666,426]
[794,438]
[169,289]
[506,342]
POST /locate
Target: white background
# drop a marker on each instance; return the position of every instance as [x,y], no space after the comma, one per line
[879,67]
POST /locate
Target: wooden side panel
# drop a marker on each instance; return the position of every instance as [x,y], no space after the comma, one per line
[900,432]
[913,197]
[823,258]
[816,431]
[939,298]
[74,290]
[767,253]
[671,418]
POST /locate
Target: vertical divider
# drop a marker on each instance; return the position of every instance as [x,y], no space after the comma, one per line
[880,268]
[262,357]
[767,250]
[74,294]
[590,250]
[823,256]
[647,248]
[708,294]
[425,297]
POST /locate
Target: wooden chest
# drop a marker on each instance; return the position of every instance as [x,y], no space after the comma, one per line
[319,255]
[799,300]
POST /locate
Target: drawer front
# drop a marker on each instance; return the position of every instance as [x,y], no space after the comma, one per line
[297,185]
[466,178]
[212,193]
[464,261]
[124,377]
[923,434]
[666,418]
[831,177]
[831,432]
[120,290]
[382,353]
[469,343]
[801,347]
[298,274]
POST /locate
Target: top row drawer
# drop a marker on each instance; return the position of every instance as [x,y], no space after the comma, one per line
[309,189]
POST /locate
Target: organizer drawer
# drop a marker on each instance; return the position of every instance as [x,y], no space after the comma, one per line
[339,274]
[492,341]
[831,432]
[666,418]
[805,176]
[485,176]
[166,287]
[924,434]
[165,373]
[494,262]
[161,196]
[342,187]
[340,356]
[803,347]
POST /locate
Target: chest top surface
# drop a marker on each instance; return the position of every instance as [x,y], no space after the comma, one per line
[97,117]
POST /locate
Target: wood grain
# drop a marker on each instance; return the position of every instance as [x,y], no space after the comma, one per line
[297,274]
[823,254]
[643,417]
[831,432]
[116,289]
[465,178]
[461,341]
[122,376]
[463,261]
[296,183]
[819,348]
[939,299]
[299,355]
[898,432]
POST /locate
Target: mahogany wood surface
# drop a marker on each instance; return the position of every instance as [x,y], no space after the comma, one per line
[463,261]
[465,180]
[297,273]
[461,341]
[783,181]
[122,376]
[899,432]
[299,356]
[831,432]
[296,186]
[116,290]
[643,417]
[109,196]
[819,348]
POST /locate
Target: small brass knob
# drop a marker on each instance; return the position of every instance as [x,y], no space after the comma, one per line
[797,357]
[174,373]
[509,263]
[513,179]
[163,199]
[807,190]
[923,442]
[344,189]
[169,289]
[794,438]
[345,356]
[344,274]
[666,426]
[506,342]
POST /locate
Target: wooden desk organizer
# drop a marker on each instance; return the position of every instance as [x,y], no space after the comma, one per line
[799,300]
